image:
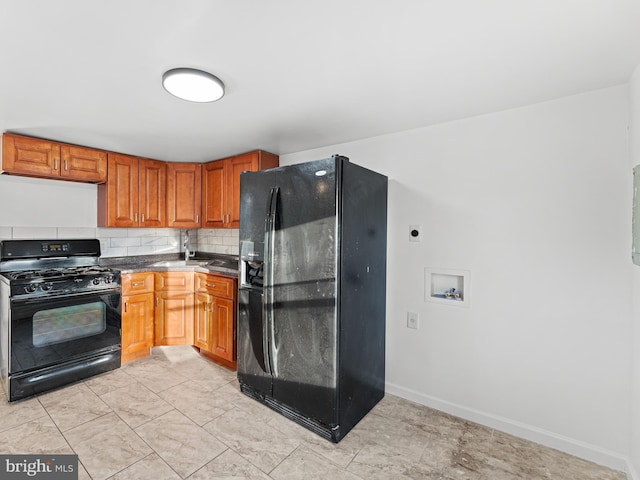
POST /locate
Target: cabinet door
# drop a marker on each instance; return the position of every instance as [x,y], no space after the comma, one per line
[184,195]
[223,331]
[214,194]
[250,162]
[84,164]
[235,166]
[202,321]
[152,194]
[30,156]
[174,318]
[121,199]
[137,326]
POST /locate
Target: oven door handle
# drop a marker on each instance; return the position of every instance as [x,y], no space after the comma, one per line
[29,300]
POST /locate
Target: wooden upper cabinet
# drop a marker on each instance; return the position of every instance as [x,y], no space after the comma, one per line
[221,186]
[213,194]
[152,196]
[83,163]
[184,195]
[134,195]
[30,156]
[37,157]
[118,198]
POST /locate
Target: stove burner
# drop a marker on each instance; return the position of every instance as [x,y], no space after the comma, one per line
[51,273]
[62,280]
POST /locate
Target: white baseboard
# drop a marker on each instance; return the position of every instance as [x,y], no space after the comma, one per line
[572,446]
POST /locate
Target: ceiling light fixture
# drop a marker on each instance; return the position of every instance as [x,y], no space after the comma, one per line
[193,85]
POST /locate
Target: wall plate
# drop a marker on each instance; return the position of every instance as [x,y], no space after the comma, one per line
[415,233]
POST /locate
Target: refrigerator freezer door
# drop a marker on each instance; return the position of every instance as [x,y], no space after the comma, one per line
[252,336]
[253,363]
[302,288]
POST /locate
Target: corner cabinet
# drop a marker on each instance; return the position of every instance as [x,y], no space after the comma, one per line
[221,186]
[137,315]
[184,197]
[135,193]
[36,157]
[174,308]
[215,318]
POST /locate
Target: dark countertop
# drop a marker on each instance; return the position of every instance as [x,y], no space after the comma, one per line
[219,264]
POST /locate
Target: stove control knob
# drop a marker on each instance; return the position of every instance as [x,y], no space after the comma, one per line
[108,279]
[32,287]
[46,287]
[96,281]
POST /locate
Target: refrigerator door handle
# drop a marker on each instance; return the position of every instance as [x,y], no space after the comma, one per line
[265,336]
[268,296]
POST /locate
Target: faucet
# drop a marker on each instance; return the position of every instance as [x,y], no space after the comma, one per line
[187,248]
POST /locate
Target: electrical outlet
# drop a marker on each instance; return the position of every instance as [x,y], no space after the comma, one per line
[413,320]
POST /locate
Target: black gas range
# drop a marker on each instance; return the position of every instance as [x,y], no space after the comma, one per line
[60,314]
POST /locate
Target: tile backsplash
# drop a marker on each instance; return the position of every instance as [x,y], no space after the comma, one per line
[123,242]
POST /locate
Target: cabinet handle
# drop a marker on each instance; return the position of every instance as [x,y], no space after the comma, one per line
[125,307]
[197,218]
[143,218]
[135,217]
[156,301]
[66,164]
[211,285]
[55,163]
[137,284]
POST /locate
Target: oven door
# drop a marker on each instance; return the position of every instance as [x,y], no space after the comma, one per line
[45,332]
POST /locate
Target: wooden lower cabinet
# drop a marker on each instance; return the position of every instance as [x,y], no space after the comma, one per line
[214,322]
[202,320]
[137,315]
[174,318]
[179,308]
[174,308]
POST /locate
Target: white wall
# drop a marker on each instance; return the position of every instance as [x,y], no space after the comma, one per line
[41,208]
[47,203]
[634,141]
[536,204]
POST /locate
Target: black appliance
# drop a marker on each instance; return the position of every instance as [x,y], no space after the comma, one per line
[60,314]
[311,314]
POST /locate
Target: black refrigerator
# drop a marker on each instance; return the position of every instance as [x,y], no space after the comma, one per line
[312,292]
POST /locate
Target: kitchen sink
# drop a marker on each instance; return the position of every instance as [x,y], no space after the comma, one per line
[181,263]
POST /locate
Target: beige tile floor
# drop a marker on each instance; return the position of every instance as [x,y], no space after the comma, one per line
[176,415]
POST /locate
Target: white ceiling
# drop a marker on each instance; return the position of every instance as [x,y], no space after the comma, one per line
[299,73]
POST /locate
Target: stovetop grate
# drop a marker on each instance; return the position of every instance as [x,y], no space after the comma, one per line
[49,273]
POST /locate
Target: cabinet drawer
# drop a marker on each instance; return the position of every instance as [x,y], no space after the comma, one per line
[133,283]
[174,281]
[215,285]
